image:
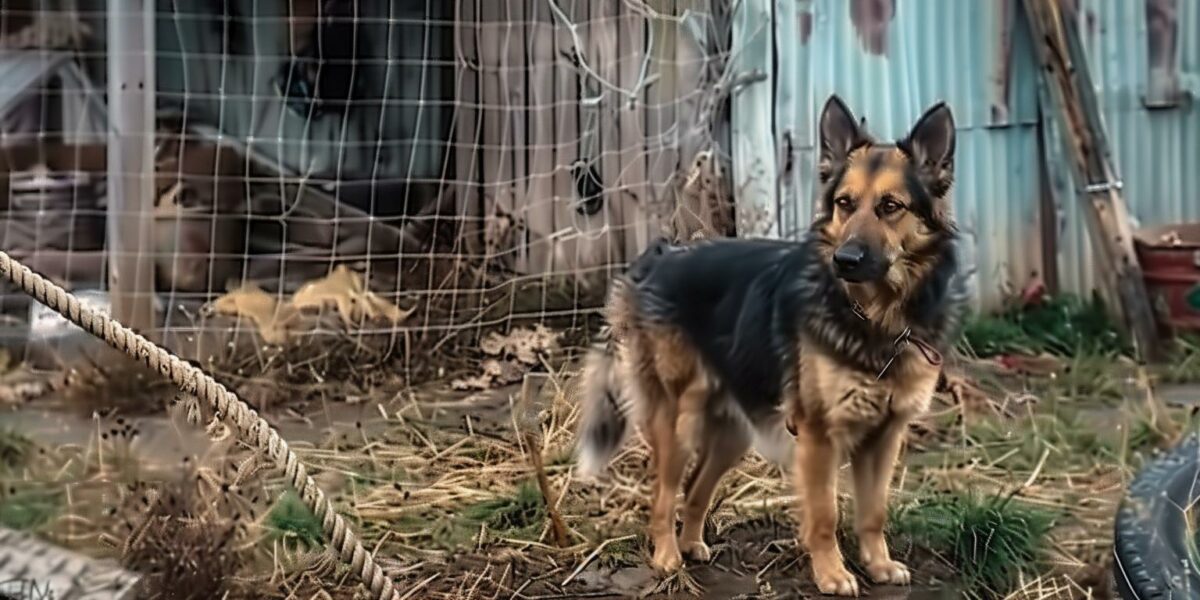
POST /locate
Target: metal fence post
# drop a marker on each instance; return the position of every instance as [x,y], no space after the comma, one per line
[130,222]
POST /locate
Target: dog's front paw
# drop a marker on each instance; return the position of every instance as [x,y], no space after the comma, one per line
[889,572]
[697,551]
[836,581]
[667,559]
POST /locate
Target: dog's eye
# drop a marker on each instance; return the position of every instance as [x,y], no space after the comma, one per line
[844,203]
[889,205]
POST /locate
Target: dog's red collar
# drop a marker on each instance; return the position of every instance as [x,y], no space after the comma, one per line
[901,342]
[930,353]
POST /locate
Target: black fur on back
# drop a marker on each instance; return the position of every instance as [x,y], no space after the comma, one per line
[744,304]
[747,304]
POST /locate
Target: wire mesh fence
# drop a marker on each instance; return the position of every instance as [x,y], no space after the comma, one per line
[397,173]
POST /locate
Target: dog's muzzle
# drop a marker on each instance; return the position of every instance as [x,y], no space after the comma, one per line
[853,261]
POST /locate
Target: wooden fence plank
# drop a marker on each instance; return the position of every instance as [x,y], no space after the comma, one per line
[504,230]
[540,111]
[467,127]
[602,56]
[1065,73]
[566,142]
[754,157]
[661,153]
[632,188]
[514,77]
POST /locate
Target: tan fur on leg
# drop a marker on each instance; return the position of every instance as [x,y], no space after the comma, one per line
[722,446]
[693,404]
[817,461]
[669,463]
[874,463]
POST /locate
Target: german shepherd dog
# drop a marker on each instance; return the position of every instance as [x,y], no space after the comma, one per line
[837,339]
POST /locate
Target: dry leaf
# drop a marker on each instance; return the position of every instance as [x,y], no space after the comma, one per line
[965,392]
[526,345]
[493,344]
[495,373]
[1042,365]
[270,317]
[347,292]
[472,383]
[514,353]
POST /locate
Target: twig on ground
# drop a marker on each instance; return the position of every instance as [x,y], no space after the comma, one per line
[592,556]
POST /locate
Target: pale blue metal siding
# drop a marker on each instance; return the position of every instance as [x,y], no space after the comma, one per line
[1157,151]
[949,50]
[935,50]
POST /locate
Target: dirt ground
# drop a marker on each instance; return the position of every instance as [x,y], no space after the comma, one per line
[754,552]
[1018,473]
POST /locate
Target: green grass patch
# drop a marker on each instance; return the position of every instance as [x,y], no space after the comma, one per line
[520,515]
[1183,364]
[15,448]
[291,520]
[990,541]
[1145,435]
[516,514]
[1063,325]
[26,510]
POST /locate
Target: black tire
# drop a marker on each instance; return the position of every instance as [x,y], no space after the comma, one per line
[1155,546]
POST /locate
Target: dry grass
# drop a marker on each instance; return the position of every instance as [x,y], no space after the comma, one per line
[448,492]
[448,497]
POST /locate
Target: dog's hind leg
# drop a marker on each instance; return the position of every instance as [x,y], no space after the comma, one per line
[723,442]
[669,462]
[874,462]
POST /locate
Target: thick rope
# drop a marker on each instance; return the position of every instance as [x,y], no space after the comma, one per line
[251,428]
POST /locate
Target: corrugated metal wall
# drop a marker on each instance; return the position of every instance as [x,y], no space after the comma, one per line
[890,60]
[1157,150]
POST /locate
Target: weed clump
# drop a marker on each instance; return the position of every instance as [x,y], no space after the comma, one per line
[518,513]
[290,519]
[990,540]
[1063,325]
[14,448]
[28,510]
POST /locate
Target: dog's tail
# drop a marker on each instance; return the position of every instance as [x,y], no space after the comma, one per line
[605,420]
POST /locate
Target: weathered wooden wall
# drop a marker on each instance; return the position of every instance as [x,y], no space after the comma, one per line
[526,112]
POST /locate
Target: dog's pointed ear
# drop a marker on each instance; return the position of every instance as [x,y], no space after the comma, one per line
[840,134]
[930,145]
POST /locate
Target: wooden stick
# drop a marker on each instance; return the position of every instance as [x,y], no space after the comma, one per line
[525,417]
[1066,76]
[557,526]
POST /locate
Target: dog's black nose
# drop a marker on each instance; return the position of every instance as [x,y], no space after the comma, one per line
[849,256]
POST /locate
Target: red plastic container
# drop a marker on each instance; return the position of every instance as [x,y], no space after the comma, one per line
[1170,258]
